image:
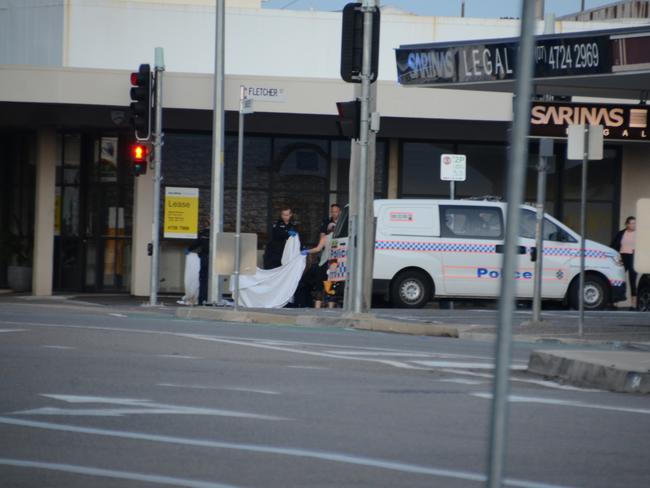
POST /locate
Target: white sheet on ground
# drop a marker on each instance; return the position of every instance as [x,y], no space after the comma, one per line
[273,288]
[192,269]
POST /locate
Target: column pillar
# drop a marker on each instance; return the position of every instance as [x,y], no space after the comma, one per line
[393,168]
[43,264]
[142,221]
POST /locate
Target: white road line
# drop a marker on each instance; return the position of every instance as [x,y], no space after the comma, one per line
[284,451]
[465,365]
[131,406]
[379,353]
[111,473]
[548,384]
[12,330]
[565,403]
[54,346]
[227,388]
[306,367]
[120,315]
[462,381]
[177,356]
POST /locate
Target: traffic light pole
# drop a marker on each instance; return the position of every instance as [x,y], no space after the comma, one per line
[216,208]
[359,304]
[157,163]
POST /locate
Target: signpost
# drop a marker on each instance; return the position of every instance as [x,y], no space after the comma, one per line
[585,142]
[453,168]
[181,213]
[245,107]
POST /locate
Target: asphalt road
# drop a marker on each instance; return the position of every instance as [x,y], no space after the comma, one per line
[93,397]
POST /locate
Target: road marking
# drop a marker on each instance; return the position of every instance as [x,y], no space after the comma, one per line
[111,473]
[548,384]
[285,451]
[228,388]
[466,365]
[132,406]
[306,367]
[177,356]
[565,403]
[379,353]
[120,315]
[462,381]
[53,346]
[12,330]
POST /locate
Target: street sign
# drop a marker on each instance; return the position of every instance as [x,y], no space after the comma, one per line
[246,106]
[453,167]
[576,142]
[263,93]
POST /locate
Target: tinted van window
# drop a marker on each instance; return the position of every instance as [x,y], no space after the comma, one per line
[471,222]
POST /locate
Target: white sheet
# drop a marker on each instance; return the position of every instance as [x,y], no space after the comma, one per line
[273,288]
[192,269]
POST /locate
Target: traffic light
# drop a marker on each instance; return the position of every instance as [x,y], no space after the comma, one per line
[352,43]
[349,118]
[139,158]
[141,104]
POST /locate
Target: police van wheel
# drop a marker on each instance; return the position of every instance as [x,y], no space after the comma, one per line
[596,293]
[411,289]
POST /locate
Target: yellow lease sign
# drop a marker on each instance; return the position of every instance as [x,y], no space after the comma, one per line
[181,212]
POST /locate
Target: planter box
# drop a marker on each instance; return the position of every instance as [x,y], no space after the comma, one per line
[19,278]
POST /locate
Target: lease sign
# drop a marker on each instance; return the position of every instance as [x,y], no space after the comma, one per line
[181,212]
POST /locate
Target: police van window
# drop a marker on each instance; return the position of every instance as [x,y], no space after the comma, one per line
[552,232]
[471,222]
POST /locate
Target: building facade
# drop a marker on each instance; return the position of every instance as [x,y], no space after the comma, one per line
[82,221]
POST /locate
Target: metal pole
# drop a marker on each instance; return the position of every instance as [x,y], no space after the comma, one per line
[216,208]
[539,238]
[157,164]
[358,302]
[240,171]
[516,178]
[583,224]
[452,190]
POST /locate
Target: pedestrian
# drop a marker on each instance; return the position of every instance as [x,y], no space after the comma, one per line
[282,230]
[201,246]
[625,243]
[329,223]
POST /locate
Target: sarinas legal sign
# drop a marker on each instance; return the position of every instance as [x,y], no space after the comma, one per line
[620,122]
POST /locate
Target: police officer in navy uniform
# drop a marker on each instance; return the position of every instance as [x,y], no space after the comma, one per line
[201,246]
[282,230]
[329,224]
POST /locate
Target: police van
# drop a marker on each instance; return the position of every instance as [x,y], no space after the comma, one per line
[454,249]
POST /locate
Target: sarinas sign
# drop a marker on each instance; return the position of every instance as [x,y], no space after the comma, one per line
[620,122]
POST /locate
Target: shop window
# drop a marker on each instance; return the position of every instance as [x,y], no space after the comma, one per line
[420,170]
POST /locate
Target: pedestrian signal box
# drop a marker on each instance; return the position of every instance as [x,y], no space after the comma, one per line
[139,158]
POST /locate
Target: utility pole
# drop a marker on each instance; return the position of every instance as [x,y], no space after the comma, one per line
[545,156]
[359,305]
[157,165]
[216,207]
[583,230]
[515,189]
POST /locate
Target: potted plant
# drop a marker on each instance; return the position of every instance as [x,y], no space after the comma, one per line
[16,253]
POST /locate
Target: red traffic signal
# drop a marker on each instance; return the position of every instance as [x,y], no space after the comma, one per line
[139,157]
[141,102]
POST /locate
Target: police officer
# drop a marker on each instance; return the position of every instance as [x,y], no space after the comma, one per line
[329,224]
[282,230]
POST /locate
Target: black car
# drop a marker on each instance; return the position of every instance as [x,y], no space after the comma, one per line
[643,293]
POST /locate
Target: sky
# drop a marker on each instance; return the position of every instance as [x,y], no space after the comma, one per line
[473,8]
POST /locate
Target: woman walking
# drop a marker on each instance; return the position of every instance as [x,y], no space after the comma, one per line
[624,243]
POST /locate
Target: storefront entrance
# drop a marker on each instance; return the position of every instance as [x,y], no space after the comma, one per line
[93,213]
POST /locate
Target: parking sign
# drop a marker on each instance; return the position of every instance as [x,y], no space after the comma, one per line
[453,167]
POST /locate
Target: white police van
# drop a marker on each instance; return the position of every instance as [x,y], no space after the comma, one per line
[454,249]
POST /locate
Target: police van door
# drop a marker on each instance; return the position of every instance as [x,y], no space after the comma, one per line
[560,248]
[471,244]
